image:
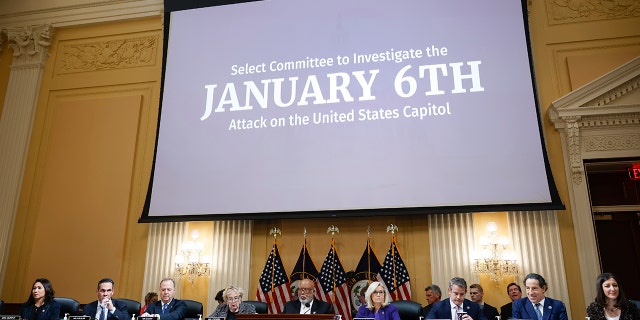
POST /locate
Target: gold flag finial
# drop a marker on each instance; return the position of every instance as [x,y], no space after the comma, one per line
[275,232]
[333,230]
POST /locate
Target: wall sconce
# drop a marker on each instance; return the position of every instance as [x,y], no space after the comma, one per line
[190,262]
[494,260]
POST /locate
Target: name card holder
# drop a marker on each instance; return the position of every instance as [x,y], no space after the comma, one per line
[10,317]
[147,318]
[79,318]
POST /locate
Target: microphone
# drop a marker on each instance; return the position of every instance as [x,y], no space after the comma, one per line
[307,304]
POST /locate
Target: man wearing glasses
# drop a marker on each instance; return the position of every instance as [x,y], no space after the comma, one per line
[306,303]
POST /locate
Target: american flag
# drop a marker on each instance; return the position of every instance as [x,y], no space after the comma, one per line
[395,275]
[274,283]
[333,283]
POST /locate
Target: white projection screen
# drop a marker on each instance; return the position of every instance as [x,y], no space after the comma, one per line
[323,108]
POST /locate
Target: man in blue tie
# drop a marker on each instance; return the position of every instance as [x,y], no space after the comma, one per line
[167,308]
[106,308]
[536,305]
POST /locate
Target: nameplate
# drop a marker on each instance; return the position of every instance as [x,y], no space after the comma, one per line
[364,318]
[10,317]
[214,318]
[147,318]
[79,318]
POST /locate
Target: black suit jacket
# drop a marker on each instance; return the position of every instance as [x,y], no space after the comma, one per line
[505,311]
[490,311]
[426,309]
[121,312]
[48,311]
[176,310]
[317,307]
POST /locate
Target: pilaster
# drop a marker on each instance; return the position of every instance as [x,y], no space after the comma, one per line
[30,45]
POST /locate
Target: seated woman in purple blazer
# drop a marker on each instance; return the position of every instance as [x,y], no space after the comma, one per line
[378,304]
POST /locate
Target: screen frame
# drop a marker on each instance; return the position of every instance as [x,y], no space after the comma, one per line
[554,204]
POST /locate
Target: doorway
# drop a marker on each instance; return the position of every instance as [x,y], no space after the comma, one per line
[615,204]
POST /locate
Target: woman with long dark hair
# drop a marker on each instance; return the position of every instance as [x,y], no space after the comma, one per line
[40,305]
[610,302]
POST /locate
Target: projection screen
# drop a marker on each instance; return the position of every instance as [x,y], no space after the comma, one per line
[320,108]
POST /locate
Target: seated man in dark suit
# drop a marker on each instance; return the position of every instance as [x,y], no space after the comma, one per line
[306,302]
[536,305]
[167,308]
[105,308]
[477,295]
[456,303]
[433,294]
[515,292]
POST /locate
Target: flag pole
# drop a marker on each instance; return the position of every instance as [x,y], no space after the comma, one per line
[393,229]
[275,232]
[333,230]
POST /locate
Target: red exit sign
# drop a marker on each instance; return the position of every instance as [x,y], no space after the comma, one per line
[634,172]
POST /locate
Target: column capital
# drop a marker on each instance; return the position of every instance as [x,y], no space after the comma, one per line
[30,44]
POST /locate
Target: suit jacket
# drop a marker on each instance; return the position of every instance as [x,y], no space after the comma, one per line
[442,310]
[506,310]
[553,309]
[490,311]
[317,307]
[222,310]
[390,312]
[176,310]
[121,312]
[48,311]
[426,309]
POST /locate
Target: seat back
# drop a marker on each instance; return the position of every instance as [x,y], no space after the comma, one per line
[133,306]
[194,308]
[1,305]
[408,310]
[68,305]
[261,307]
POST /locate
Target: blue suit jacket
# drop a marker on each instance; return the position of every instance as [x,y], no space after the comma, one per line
[121,312]
[553,309]
[176,310]
[442,310]
[48,311]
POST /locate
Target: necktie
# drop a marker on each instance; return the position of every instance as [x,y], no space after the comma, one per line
[537,308]
[164,307]
[457,315]
[103,314]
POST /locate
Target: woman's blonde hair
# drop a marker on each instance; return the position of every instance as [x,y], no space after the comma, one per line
[371,289]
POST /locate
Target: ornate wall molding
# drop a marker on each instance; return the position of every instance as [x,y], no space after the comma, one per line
[108,54]
[612,142]
[563,11]
[30,44]
[573,141]
[617,92]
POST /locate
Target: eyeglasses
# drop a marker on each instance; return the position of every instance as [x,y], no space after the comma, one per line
[232,299]
[305,289]
[378,292]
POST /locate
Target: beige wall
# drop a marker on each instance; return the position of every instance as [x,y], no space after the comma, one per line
[92,144]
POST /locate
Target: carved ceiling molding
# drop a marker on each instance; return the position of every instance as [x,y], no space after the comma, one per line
[30,44]
[614,142]
[571,11]
[108,54]
[75,13]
